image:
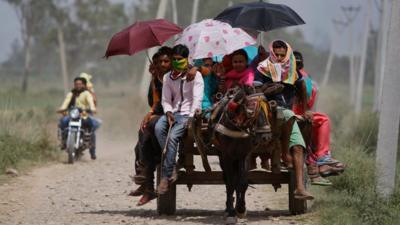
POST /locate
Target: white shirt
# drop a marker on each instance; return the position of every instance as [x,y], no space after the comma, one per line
[182,96]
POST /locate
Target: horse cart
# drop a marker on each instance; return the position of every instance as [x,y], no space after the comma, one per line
[166,203]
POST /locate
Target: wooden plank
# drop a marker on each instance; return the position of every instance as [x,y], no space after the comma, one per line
[194,151]
[215,177]
[214,151]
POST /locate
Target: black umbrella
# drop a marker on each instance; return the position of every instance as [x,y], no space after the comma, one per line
[260,16]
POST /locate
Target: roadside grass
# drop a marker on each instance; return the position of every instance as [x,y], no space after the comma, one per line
[353,198]
[25,138]
[28,122]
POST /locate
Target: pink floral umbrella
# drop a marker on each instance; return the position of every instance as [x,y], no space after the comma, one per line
[210,38]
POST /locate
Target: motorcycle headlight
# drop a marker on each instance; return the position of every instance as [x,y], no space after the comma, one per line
[74,113]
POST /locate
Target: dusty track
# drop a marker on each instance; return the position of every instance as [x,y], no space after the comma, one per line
[95,192]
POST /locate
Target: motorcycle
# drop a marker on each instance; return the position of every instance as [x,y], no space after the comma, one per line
[77,137]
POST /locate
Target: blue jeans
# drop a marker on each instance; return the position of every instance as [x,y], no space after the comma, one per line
[93,124]
[176,133]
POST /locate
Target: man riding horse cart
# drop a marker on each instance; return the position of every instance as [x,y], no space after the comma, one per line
[241,126]
[235,143]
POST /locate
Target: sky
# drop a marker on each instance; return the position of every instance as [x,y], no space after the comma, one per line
[10,29]
[317,14]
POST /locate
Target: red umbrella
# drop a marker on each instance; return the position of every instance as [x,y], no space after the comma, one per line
[141,35]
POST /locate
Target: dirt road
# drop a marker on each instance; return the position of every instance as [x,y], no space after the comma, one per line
[95,192]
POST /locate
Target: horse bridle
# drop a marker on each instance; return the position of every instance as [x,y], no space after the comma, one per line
[239,131]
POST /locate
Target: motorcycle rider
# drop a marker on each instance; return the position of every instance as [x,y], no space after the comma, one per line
[81,98]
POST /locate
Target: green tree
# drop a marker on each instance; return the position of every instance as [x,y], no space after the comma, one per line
[29,16]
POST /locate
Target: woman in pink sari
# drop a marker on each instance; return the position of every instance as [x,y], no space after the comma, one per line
[240,74]
[319,159]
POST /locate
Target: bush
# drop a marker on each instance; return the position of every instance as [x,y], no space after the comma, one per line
[14,149]
[361,131]
[24,121]
[353,198]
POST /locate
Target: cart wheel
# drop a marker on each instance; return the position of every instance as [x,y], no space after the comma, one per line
[166,203]
[296,206]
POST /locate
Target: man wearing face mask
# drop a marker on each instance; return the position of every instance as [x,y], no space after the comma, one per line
[180,99]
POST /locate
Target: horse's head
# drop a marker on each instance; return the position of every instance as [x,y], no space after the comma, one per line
[240,110]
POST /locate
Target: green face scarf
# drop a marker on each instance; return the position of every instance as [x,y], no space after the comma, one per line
[180,65]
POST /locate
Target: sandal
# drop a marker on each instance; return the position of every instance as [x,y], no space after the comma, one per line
[320,181]
[138,192]
[316,179]
[303,195]
[327,160]
[326,170]
[147,197]
[339,165]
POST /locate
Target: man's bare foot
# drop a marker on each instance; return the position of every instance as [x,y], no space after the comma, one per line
[163,186]
[288,160]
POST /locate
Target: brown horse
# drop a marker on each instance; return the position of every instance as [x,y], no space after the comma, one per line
[233,126]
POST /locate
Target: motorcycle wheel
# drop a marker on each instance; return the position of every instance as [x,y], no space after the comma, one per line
[71,148]
[78,155]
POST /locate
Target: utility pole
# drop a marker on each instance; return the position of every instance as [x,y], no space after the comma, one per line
[361,75]
[174,15]
[351,13]
[63,58]
[174,12]
[195,10]
[381,54]
[389,118]
[339,26]
[146,77]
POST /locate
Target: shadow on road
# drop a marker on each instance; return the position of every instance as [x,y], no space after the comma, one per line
[192,215]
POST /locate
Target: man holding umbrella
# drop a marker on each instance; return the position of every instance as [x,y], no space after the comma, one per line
[180,99]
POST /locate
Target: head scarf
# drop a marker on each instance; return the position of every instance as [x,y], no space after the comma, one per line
[89,84]
[311,88]
[284,71]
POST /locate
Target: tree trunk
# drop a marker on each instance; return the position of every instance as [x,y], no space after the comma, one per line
[63,59]
[389,117]
[361,75]
[27,64]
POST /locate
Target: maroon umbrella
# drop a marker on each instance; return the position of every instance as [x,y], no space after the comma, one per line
[141,35]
